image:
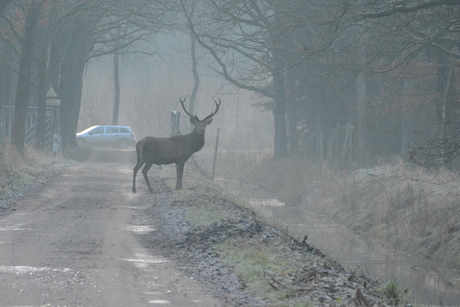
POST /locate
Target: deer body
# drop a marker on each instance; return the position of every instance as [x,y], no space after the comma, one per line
[176,149]
[169,150]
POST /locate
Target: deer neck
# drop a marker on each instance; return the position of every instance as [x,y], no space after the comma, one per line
[198,140]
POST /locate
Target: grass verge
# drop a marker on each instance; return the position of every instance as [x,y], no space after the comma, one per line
[18,170]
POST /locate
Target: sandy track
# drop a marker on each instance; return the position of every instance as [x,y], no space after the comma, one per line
[76,243]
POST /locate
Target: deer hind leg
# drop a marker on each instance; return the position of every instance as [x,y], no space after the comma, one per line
[136,168]
[144,172]
[179,172]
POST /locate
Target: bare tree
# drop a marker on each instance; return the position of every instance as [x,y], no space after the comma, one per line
[422,32]
[25,74]
[244,40]
[89,30]
[370,45]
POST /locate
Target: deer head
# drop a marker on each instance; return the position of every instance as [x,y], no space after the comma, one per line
[200,125]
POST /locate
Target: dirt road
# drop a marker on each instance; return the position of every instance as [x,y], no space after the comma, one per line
[77,243]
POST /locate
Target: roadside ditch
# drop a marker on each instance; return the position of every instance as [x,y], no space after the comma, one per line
[245,260]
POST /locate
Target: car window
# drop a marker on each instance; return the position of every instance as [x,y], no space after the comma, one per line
[88,129]
[112,130]
[124,130]
[98,130]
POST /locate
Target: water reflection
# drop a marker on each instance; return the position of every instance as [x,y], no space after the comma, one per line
[430,283]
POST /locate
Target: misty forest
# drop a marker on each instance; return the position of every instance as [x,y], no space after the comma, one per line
[338,98]
[296,77]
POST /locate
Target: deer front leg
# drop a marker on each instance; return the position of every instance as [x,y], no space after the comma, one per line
[179,172]
[144,172]
[136,168]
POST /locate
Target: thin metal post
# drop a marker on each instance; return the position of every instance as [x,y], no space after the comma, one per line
[175,123]
[321,153]
[350,163]
[172,128]
[215,153]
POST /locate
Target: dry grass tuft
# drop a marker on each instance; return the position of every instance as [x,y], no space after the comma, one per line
[10,159]
[17,170]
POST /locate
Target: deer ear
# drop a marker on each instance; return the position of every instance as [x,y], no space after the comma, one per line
[208,121]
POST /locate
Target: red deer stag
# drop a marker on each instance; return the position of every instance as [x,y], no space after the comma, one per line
[176,149]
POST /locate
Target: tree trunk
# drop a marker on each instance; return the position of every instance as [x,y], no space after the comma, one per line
[279,116]
[361,126]
[447,110]
[70,106]
[55,62]
[279,90]
[7,77]
[42,89]
[73,65]
[24,77]
[292,114]
[196,78]
[116,83]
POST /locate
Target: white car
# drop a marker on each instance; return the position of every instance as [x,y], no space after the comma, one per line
[107,136]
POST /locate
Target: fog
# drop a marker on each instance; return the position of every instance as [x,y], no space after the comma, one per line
[151,87]
[294,78]
[332,90]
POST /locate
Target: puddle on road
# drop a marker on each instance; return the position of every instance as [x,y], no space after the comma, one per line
[159,302]
[14,228]
[142,229]
[22,269]
[143,260]
[431,283]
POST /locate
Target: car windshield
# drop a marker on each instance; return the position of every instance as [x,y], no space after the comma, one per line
[88,129]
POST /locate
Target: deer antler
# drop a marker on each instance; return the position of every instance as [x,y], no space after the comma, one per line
[183,107]
[213,113]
